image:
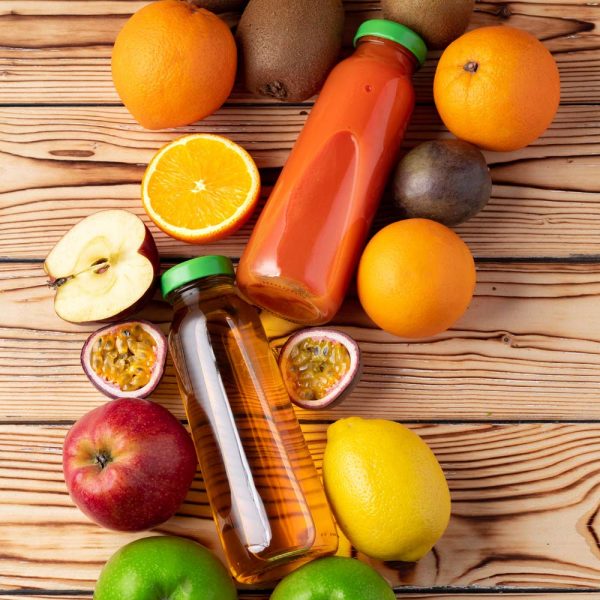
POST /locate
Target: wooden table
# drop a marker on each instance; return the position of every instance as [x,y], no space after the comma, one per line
[508,399]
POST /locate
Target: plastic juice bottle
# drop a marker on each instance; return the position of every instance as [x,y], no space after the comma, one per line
[264,491]
[308,240]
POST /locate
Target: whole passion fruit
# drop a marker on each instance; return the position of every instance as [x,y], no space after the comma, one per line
[319,367]
[125,360]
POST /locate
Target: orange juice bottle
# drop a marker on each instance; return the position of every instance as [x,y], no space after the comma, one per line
[306,244]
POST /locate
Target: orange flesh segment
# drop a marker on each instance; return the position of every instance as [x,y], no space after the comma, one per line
[200,184]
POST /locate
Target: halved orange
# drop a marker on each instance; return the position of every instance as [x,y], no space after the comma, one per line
[200,188]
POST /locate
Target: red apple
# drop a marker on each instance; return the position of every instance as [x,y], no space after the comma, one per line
[103,268]
[128,464]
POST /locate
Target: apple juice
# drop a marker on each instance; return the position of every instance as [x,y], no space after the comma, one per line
[264,490]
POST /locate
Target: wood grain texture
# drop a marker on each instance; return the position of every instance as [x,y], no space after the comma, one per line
[412,596]
[59,52]
[526,500]
[527,348]
[63,163]
[526,497]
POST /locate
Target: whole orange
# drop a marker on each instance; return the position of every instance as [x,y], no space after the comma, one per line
[416,278]
[497,87]
[173,64]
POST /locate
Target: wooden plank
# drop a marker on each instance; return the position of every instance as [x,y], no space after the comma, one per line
[400,595]
[525,511]
[528,348]
[525,496]
[352,7]
[63,163]
[77,595]
[59,52]
[503,596]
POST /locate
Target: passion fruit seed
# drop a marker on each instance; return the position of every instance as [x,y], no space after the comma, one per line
[315,366]
[125,357]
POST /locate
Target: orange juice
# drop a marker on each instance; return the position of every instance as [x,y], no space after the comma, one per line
[307,242]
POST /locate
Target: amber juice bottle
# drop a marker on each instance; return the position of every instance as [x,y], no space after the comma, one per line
[265,493]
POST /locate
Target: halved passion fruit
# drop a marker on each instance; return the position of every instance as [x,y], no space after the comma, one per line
[319,366]
[125,360]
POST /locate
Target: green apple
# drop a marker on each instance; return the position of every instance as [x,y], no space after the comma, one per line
[334,577]
[165,567]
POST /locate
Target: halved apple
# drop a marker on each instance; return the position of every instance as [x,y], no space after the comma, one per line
[103,268]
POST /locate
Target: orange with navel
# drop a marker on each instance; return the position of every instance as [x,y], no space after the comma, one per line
[497,87]
[173,64]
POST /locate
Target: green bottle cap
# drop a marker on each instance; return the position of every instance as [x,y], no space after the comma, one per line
[196,268]
[390,30]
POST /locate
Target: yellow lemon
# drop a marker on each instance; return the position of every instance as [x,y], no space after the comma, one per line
[386,488]
[344,545]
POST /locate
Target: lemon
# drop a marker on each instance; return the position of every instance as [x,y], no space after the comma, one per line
[386,488]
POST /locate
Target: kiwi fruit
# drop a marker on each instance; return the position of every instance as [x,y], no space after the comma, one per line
[438,22]
[444,180]
[289,46]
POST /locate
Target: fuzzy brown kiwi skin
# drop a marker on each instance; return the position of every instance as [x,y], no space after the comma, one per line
[341,394]
[288,47]
[438,22]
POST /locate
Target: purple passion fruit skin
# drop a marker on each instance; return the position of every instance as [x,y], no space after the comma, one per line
[126,359]
[319,367]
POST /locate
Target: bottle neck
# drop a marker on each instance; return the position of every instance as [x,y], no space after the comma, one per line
[371,46]
[200,289]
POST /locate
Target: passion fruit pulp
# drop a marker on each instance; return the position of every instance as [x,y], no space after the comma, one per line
[125,360]
[319,367]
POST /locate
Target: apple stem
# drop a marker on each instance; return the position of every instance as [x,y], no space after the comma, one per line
[103,458]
